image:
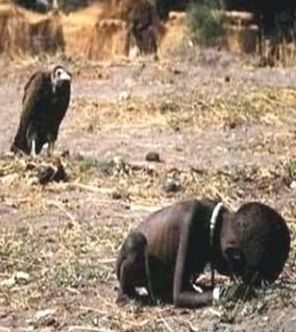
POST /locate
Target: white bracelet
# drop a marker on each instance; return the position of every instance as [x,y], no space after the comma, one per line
[216,293]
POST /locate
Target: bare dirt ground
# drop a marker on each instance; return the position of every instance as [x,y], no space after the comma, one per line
[223,128]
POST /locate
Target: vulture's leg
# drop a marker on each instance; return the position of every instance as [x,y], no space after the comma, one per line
[50,148]
[33,148]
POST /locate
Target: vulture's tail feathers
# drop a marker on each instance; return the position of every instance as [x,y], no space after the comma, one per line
[20,143]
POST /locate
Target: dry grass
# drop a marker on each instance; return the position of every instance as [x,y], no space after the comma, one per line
[108,40]
[14,30]
[65,264]
[58,242]
[47,35]
[282,54]
[193,109]
[24,32]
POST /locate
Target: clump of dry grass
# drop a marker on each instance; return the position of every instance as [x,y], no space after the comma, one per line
[47,35]
[21,33]
[108,40]
[280,52]
[193,109]
[14,30]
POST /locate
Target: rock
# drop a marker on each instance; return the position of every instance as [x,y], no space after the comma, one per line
[45,318]
[153,156]
[124,95]
[21,276]
[65,153]
[50,173]
[116,195]
[42,314]
[17,277]
[171,185]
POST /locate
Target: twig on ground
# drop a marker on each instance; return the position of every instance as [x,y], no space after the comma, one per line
[61,208]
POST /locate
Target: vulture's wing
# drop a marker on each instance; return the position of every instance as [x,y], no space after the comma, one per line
[27,86]
[36,92]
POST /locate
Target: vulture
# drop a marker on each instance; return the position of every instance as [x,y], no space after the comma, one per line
[44,105]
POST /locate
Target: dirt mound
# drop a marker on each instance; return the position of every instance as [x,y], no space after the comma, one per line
[24,32]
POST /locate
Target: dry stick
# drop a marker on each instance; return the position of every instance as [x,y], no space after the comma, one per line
[85,328]
[61,208]
[101,312]
[224,198]
[89,188]
[187,324]
[166,324]
[106,261]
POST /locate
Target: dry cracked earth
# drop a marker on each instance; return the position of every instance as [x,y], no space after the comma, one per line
[223,128]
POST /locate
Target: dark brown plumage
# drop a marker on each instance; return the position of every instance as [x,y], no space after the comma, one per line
[44,105]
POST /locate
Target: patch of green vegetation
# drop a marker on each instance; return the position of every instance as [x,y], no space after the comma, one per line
[206,24]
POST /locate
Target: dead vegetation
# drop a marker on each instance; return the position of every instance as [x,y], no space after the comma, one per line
[71,259]
[24,32]
[59,246]
[109,40]
[15,31]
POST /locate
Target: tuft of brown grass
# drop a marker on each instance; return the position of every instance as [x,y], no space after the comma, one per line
[281,54]
[47,35]
[23,32]
[108,40]
[14,31]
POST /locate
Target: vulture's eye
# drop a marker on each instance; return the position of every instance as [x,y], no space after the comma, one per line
[59,72]
[61,75]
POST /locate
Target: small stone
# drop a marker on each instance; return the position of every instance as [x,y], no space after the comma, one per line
[45,174]
[45,318]
[293,185]
[65,153]
[21,276]
[49,173]
[153,156]
[43,314]
[124,95]
[116,195]
[17,277]
[171,185]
